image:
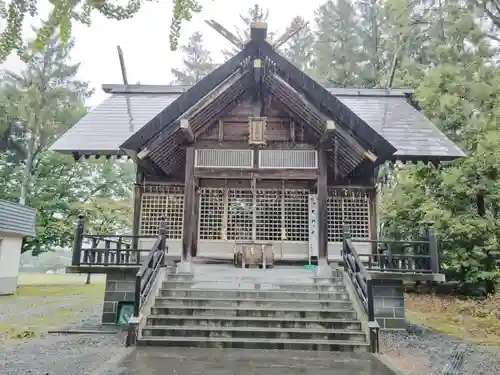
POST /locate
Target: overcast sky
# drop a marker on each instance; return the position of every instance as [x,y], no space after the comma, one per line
[144,39]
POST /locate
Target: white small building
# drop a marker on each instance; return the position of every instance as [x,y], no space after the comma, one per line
[16,222]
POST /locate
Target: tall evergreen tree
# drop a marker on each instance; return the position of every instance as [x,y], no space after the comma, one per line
[299,48]
[337,48]
[197,62]
[257,13]
[46,93]
[373,63]
[456,85]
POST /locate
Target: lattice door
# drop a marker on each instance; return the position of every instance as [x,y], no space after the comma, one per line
[267,215]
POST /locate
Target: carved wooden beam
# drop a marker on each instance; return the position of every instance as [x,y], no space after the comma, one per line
[259,174]
[328,132]
[171,129]
[296,102]
[186,131]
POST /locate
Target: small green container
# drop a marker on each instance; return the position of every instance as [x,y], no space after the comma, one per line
[309,267]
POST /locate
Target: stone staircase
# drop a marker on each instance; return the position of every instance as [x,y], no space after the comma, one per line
[282,308]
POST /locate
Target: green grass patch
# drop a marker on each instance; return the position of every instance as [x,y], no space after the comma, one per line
[476,321]
[45,295]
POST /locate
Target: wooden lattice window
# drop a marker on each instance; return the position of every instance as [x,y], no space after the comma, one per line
[296,212]
[240,214]
[158,201]
[211,214]
[350,208]
[269,215]
[283,159]
[223,158]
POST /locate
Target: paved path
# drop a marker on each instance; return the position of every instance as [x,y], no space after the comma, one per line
[187,361]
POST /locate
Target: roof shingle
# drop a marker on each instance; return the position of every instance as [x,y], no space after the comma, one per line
[106,127]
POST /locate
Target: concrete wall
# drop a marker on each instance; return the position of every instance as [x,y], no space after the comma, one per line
[389,304]
[10,255]
[120,286]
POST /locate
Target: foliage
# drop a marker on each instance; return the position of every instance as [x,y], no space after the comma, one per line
[299,48]
[65,12]
[257,13]
[457,87]
[197,62]
[337,48]
[39,104]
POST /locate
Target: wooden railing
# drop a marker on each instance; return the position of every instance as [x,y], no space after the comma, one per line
[146,276]
[406,256]
[362,281]
[106,250]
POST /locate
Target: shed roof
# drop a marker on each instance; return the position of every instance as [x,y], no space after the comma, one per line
[17,219]
[129,108]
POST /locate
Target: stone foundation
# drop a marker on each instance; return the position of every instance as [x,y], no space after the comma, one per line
[389,304]
[120,286]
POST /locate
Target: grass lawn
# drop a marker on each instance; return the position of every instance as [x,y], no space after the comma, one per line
[470,320]
[44,302]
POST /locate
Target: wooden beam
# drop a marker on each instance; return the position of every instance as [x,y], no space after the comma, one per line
[170,129]
[260,174]
[323,121]
[238,145]
[187,100]
[322,188]
[324,100]
[186,131]
[328,132]
[189,205]
[136,213]
[196,220]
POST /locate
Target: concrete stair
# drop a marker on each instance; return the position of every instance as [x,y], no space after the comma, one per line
[281,314]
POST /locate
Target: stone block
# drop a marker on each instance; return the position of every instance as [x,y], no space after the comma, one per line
[109,307]
[120,286]
[389,303]
[395,302]
[395,324]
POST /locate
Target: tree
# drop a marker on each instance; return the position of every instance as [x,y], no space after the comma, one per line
[456,85]
[299,48]
[43,101]
[257,13]
[337,47]
[65,13]
[49,99]
[197,62]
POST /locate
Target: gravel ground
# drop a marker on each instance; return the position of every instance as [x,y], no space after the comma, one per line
[425,353]
[62,354]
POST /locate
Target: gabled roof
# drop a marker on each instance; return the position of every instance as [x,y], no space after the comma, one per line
[261,50]
[17,219]
[106,127]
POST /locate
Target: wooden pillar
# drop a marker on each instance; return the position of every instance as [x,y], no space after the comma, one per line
[373,217]
[322,204]
[189,205]
[196,219]
[136,213]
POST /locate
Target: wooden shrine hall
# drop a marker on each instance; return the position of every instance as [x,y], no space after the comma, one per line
[257,151]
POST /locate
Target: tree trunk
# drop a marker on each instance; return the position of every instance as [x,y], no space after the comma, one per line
[28,166]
